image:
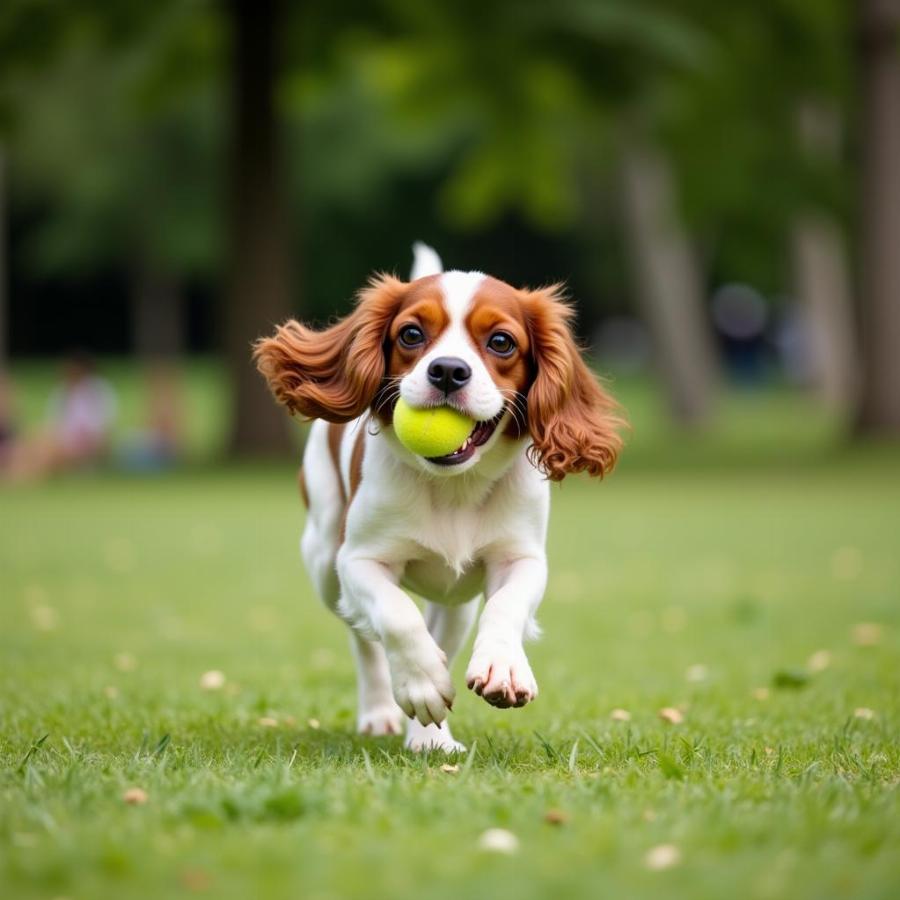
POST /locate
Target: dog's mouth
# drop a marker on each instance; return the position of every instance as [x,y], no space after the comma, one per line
[479,436]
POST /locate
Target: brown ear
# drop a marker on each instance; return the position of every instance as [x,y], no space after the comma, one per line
[574,423]
[333,374]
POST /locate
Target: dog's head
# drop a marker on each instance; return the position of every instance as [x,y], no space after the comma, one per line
[504,357]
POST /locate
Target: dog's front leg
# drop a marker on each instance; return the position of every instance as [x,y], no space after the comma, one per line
[499,670]
[375,605]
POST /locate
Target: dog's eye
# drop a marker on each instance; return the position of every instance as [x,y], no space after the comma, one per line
[411,336]
[501,344]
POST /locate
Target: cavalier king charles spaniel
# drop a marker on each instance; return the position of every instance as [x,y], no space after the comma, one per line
[383,521]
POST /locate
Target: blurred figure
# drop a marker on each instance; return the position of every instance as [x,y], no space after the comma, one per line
[7,421]
[740,314]
[160,443]
[78,431]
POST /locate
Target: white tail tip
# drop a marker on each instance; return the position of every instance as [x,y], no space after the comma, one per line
[425,261]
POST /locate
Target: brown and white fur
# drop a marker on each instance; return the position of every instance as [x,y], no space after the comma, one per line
[383,521]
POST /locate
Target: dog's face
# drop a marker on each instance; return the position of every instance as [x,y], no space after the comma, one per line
[504,357]
[460,339]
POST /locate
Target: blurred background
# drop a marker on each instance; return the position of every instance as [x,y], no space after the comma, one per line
[718,185]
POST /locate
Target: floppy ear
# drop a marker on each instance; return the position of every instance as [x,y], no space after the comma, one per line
[333,374]
[574,423]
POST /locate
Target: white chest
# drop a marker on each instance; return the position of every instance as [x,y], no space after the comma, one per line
[434,580]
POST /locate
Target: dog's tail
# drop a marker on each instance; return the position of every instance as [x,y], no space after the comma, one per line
[425,261]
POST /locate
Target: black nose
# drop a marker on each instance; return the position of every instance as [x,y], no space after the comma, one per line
[449,373]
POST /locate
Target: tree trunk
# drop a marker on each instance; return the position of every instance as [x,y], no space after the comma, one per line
[258,291]
[821,273]
[667,284]
[822,286]
[879,62]
[157,315]
[4,273]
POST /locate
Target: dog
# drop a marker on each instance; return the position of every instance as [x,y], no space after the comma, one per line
[383,521]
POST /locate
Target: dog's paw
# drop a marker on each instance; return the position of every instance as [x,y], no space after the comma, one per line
[419,678]
[432,737]
[501,674]
[385,718]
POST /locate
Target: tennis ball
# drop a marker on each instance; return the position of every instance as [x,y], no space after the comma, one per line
[431,432]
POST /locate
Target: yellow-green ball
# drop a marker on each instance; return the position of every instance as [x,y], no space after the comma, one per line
[435,431]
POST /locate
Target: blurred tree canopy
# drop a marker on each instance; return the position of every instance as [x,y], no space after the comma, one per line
[494,131]
[113,119]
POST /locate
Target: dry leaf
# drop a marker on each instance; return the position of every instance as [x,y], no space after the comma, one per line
[499,840]
[663,856]
[867,634]
[556,817]
[135,796]
[819,661]
[212,680]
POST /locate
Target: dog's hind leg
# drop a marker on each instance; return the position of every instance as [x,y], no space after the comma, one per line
[378,712]
[449,626]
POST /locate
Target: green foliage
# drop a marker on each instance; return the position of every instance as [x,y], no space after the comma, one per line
[461,115]
[121,144]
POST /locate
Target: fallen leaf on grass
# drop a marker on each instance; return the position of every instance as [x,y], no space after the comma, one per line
[212,680]
[135,796]
[499,840]
[556,817]
[663,856]
[819,661]
[671,715]
[867,634]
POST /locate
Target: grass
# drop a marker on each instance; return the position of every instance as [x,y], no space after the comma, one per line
[118,593]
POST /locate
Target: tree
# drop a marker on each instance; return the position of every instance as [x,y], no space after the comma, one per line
[136,191]
[821,272]
[4,284]
[668,285]
[258,295]
[879,302]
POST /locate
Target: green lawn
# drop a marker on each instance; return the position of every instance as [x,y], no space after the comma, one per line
[703,571]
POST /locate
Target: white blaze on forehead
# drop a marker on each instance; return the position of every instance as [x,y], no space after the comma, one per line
[480,398]
[459,288]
